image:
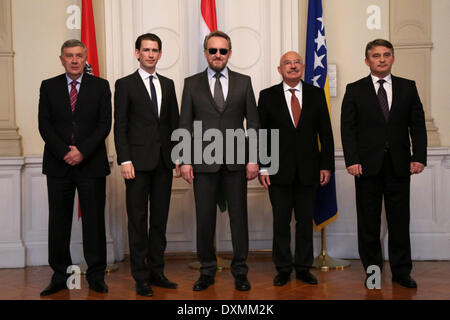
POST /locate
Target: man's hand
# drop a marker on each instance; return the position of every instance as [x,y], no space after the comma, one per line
[324,177]
[187,172]
[127,171]
[355,170]
[416,167]
[264,179]
[252,171]
[73,157]
[177,170]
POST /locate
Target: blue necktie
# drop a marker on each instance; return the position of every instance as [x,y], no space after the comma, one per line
[154,98]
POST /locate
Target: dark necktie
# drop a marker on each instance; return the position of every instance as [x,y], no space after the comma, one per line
[382,98]
[218,93]
[73,95]
[73,102]
[295,107]
[154,98]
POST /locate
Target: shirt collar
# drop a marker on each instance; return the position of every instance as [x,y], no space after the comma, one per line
[375,79]
[212,73]
[298,87]
[144,74]
[69,80]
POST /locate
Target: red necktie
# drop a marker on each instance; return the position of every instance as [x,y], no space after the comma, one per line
[73,101]
[295,107]
[73,95]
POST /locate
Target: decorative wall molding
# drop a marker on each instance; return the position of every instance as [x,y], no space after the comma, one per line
[10,141]
[410,33]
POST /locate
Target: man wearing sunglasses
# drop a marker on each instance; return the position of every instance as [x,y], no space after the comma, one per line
[221,99]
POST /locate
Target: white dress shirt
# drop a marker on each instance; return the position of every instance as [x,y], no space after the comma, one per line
[223,81]
[69,83]
[288,96]
[387,86]
[145,77]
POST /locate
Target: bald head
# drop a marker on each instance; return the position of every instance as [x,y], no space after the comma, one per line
[291,68]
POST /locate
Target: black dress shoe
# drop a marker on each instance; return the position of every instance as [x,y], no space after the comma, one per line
[160,280]
[405,281]
[307,277]
[241,283]
[203,282]
[53,288]
[281,279]
[144,289]
[98,286]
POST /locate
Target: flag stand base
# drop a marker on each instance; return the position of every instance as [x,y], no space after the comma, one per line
[110,267]
[324,262]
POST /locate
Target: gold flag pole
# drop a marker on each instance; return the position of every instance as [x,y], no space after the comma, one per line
[324,262]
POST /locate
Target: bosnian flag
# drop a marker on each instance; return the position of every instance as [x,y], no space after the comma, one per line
[316,73]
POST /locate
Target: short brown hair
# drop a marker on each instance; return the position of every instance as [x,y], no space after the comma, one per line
[378,43]
[217,33]
[148,36]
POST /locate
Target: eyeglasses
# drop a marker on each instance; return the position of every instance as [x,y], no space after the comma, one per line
[222,51]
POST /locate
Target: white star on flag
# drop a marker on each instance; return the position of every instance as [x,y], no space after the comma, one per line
[314,80]
[318,61]
[321,21]
[320,40]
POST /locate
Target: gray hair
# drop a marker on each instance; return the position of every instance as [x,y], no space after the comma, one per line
[73,43]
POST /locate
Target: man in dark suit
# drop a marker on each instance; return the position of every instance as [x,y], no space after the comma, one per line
[74,121]
[380,113]
[299,112]
[146,113]
[221,99]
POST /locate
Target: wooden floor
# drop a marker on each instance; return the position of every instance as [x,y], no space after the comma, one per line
[433,278]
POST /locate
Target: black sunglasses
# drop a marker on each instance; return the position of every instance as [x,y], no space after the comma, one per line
[222,51]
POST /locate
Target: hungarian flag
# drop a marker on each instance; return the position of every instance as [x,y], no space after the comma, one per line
[89,40]
[316,73]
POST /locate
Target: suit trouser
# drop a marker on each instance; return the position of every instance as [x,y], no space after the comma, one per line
[369,195]
[91,194]
[148,242]
[206,186]
[284,199]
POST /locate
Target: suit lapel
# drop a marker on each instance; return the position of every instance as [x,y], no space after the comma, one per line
[83,93]
[205,84]
[372,97]
[65,97]
[140,86]
[285,115]
[231,84]
[164,91]
[395,95]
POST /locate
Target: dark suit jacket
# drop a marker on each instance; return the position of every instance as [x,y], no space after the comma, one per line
[298,147]
[90,123]
[365,132]
[139,135]
[198,105]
